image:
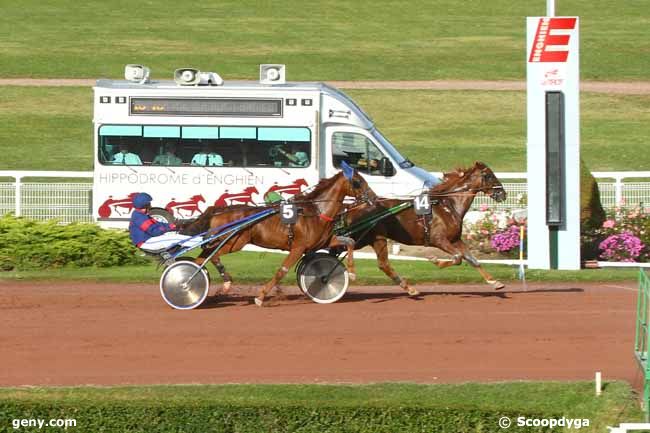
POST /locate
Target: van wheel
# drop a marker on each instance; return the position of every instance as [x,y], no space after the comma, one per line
[162,215]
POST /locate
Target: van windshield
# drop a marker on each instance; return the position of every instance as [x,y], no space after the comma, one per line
[390,149]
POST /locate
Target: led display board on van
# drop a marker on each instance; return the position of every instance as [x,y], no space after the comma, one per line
[207,107]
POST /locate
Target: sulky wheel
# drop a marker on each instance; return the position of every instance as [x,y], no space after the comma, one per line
[299,267]
[184,285]
[162,215]
[323,278]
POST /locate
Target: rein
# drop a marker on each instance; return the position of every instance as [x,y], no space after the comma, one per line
[462,193]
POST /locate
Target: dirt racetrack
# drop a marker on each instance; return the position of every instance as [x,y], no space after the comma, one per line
[86,333]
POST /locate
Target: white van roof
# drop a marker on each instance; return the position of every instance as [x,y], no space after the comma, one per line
[361,118]
[230,85]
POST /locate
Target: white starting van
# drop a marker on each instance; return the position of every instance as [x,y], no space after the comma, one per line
[196,141]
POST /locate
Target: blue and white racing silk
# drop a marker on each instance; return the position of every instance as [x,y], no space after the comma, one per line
[168,240]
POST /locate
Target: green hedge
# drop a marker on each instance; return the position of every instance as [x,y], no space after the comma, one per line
[205,417]
[29,244]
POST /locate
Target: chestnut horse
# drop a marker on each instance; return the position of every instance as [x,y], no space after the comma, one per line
[450,200]
[313,230]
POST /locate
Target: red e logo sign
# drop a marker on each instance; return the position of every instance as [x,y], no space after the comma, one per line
[552,40]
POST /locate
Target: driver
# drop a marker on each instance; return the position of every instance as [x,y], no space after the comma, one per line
[151,235]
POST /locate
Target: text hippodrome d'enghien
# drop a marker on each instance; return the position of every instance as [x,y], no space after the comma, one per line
[180,179]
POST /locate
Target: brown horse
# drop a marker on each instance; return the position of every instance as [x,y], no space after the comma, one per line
[313,230]
[450,200]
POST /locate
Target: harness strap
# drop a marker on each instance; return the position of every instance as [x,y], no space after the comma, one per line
[290,236]
[326,218]
[426,222]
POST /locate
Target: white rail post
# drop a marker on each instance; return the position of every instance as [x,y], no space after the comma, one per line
[618,190]
[18,194]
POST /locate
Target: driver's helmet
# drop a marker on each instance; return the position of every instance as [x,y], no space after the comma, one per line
[142,200]
[272,197]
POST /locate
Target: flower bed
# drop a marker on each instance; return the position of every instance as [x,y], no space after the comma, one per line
[623,237]
[494,234]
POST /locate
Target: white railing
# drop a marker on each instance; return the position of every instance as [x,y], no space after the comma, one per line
[65,201]
[70,202]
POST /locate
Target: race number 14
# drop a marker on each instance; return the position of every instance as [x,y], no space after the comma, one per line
[422,204]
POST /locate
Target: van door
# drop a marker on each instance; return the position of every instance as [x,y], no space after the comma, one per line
[358,148]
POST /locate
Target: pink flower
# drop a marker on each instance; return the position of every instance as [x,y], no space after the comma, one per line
[608,224]
[483,207]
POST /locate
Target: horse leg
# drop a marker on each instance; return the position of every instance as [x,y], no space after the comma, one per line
[448,247]
[381,250]
[348,243]
[495,284]
[216,261]
[292,258]
[225,276]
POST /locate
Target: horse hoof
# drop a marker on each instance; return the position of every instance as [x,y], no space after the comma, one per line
[352,276]
[259,302]
[413,292]
[226,287]
[498,285]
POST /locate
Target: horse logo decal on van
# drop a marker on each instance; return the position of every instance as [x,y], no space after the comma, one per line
[287,191]
[120,206]
[244,197]
[185,209]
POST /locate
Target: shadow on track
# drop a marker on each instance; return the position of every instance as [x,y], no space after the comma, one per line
[239,300]
[384,297]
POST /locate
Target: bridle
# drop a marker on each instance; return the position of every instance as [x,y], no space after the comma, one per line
[490,178]
[487,177]
[365,194]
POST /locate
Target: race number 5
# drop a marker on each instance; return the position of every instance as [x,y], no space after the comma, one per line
[288,214]
[422,204]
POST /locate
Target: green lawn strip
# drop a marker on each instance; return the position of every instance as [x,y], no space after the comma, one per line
[265,265]
[317,40]
[377,407]
[49,128]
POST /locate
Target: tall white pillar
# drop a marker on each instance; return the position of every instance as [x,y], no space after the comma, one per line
[553,66]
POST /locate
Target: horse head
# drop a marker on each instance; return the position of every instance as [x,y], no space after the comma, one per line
[478,178]
[485,181]
[357,186]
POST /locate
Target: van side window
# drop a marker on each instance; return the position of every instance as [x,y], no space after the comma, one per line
[207,146]
[356,150]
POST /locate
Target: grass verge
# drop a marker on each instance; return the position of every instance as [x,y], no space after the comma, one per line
[254,267]
[322,408]
[316,40]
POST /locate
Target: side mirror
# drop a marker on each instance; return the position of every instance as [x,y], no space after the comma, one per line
[386,167]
